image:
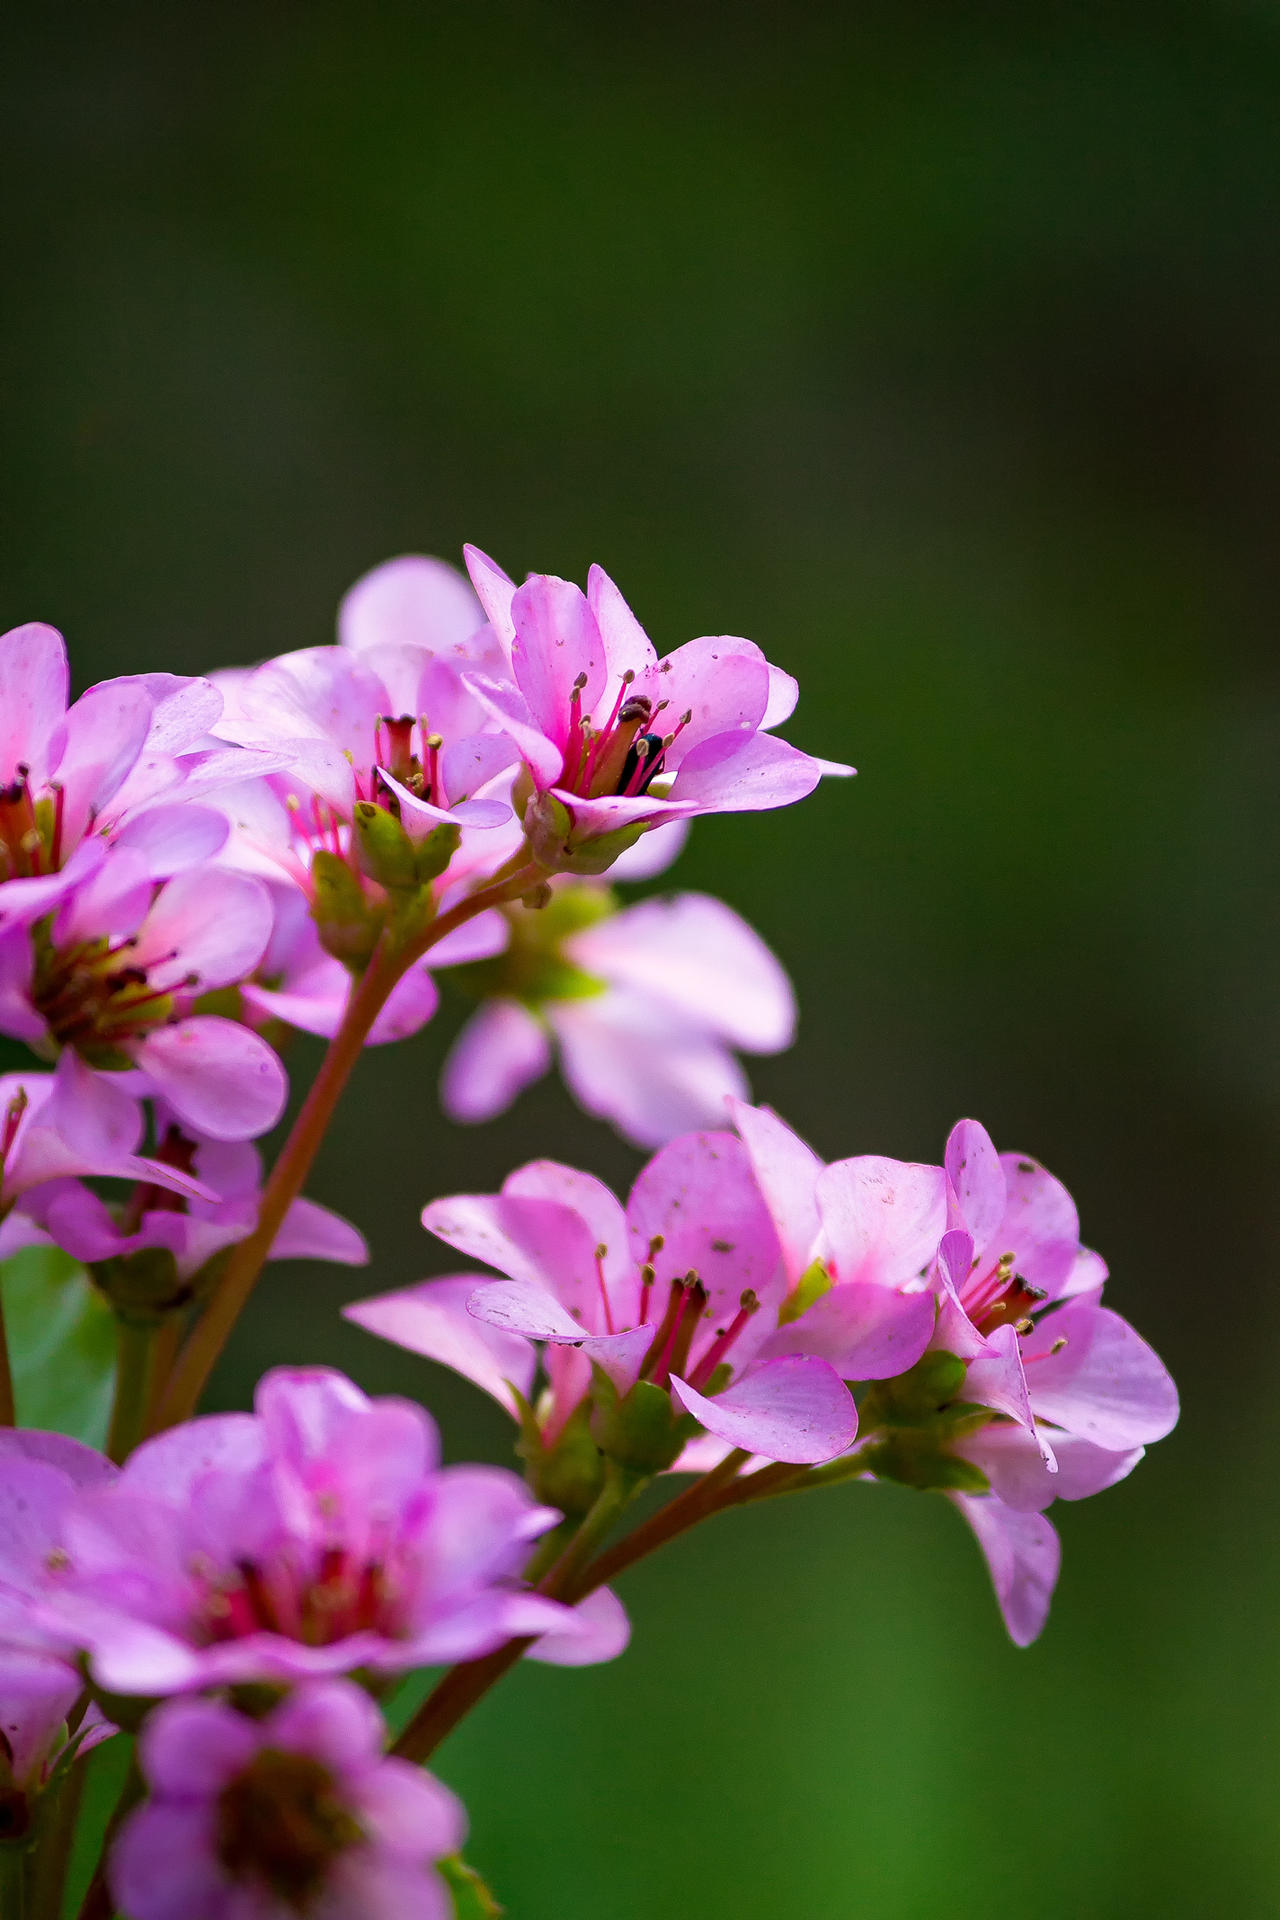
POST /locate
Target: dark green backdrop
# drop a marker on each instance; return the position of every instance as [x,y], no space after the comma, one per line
[935,348]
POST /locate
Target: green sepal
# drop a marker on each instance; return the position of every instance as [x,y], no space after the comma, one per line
[431,856]
[384,852]
[812,1284]
[570,1473]
[347,922]
[471,1898]
[640,1430]
[922,1396]
[144,1286]
[549,830]
[914,1459]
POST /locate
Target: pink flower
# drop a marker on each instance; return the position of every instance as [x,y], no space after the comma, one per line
[115,972]
[616,740]
[682,1290]
[645,1005]
[296,1813]
[193,1230]
[122,764]
[40,1474]
[315,1536]
[55,1127]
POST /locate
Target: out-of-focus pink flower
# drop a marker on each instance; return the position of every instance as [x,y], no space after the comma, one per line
[122,765]
[615,738]
[115,972]
[315,1536]
[683,1289]
[645,1005]
[69,1124]
[192,1229]
[295,1813]
[40,1474]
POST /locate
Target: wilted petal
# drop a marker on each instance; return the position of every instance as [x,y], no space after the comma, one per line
[796,1408]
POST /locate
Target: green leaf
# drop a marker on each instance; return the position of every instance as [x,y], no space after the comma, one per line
[472,1900]
[62,1344]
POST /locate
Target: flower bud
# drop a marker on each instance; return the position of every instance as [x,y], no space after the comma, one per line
[549,830]
[347,922]
[384,851]
[641,1429]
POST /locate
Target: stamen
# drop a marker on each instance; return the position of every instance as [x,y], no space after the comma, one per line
[676,1356]
[724,1340]
[666,1328]
[601,1251]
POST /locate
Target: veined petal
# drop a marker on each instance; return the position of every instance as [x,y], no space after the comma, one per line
[867,1332]
[687,1077]
[786,1170]
[557,643]
[1019,1476]
[627,646]
[744,773]
[977,1180]
[699,1194]
[216,1075]
[882,1219]
[432,1319]
[795,1408]
[494,590]
[1103,1382]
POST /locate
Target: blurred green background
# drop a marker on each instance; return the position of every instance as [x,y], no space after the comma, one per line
[936,349]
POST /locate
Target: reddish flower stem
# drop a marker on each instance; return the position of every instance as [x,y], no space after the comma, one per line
[8,1405]
[389,964]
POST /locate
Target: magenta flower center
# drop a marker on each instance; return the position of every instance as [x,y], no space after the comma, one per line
[1000,1297]
[96,998]
[282,1823]
[30,830]
[339,1593]
[625,755]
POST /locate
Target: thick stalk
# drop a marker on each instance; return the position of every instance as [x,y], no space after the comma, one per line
[8,1405]
[570,1579]
[135,1360]
[288,1176]
[54,1855]
[15,1880]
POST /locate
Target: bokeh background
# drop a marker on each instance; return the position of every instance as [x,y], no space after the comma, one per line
[936,349]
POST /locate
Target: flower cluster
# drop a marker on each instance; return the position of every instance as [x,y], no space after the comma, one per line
[190,870]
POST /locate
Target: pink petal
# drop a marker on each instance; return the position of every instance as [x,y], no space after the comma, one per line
[626,644]
[494,590]
[586,1196]
[786,1170]
[723,682]
[744,774]
[102,737]
[312,1232]
[432,1319]
[1105,1384]
[865,1331]
[191,1748]
[996,1379]
[218,1076]
[700,1195]
[501,1050]
[171,838]
[409,1813]
[213,924]
[687,1078]
[508,706]
[162,1866]
[1020,1477]
[33,696]
[882,1218]
[557,642]
[412,601]
[1040,1224]
[694,954]
[795,1408]
[536,1240]
[784,692]
[334,1720]
[1023,1555]
[974,1170]
[602,1633]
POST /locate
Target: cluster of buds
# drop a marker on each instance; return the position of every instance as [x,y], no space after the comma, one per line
[190,870]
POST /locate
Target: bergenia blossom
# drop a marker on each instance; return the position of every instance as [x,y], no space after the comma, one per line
[683,1289]
[40,1474]
[70,1124]
[1077,1393]
[316,1536]
[124,763]
[115,972]
[191,1229]
[644,1005]
[614,739]
[298,1812]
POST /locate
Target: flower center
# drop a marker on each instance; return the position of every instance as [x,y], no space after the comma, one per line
[1001,1298]
[340,1594]
[625,755]
[283,1822]
[30,830]
[96,998]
